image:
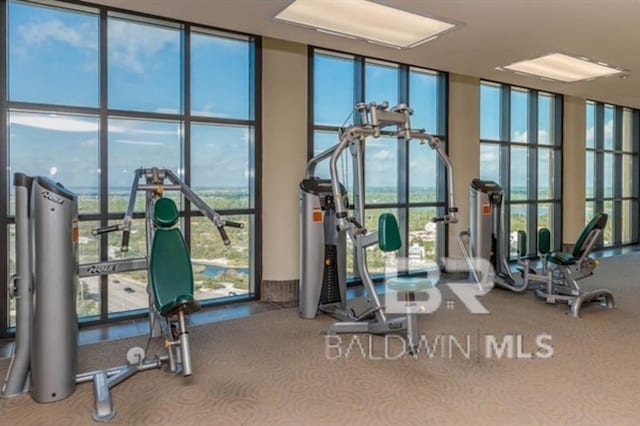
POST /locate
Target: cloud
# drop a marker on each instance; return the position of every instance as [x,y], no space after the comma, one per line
[82,36]
[135,142]
[383,154]
[53,122]
[520,136]
[132,44]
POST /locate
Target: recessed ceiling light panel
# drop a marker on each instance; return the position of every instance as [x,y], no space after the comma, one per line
[365,20]
[561,67]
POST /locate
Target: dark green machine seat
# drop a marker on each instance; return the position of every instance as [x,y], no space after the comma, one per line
[389,240]
[170,272]
[561,258]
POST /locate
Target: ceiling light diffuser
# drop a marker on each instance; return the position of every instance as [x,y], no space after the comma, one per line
[565,68]
[365,20]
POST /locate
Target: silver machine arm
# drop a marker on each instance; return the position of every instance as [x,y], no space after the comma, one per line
[374,118]
[154,182]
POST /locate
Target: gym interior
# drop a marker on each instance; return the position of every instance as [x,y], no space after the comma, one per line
[319,212]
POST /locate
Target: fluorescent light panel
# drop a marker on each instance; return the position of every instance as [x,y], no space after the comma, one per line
[365,20]
[560,67]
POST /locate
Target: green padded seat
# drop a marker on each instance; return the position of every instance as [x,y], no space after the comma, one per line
[561,258]
[170,272]
[599,221]
[388,233]
[406,284]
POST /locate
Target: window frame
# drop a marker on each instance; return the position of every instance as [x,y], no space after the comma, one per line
[533,146]
[104,113]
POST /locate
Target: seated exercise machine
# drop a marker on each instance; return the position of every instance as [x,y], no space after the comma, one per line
[325,224]
[45,358]
[561,271]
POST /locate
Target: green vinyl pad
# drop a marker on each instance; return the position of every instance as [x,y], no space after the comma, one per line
[388,233]
[170,271]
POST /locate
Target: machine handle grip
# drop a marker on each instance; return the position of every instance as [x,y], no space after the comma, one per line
[223,235]
[124,247]
[438,219]
[233,224]
[105,230]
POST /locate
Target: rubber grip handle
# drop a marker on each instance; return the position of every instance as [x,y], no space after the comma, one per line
[124,247]
[105,229]
[224,236]
[233,224]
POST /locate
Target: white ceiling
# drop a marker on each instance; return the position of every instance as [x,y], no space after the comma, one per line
[493,33]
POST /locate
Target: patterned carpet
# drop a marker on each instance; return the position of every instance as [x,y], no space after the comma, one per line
[271,368]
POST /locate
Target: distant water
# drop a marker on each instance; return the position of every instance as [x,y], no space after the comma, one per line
[214,270]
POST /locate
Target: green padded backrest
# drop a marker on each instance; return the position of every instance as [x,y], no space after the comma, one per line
[388,233]
[598,222]
[165,213]
[522,243]
[170,271]
[544,240]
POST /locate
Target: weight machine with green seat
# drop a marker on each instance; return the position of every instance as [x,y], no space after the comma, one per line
[561,271]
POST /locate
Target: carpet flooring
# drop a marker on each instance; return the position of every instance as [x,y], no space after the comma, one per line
[275,369]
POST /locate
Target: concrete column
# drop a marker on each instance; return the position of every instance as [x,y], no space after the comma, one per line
[573,168]
[464,146]
[284,153]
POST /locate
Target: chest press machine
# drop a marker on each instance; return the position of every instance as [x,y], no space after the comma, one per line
[326,222]
[45,358]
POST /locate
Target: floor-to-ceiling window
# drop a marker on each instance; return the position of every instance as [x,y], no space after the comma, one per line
[521,148]
[406,179]
[89,94]
[612,170]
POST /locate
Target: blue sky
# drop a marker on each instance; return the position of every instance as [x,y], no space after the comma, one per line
[53,58]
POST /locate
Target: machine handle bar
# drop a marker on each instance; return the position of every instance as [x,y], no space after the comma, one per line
[233,224]
[106,229]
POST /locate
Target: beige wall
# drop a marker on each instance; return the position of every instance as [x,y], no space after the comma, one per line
[464,146]
[573,165]
[284,151]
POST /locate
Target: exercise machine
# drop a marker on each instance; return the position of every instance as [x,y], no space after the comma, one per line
[325,224]
[484,238]
[560,272]
[44,361]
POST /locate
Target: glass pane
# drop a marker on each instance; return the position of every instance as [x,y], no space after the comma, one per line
[609,126]
[139,143]
[221,270]
[220,77]
[627,119]
[608,175]
[627,217]
[519,222]
[545,218]
[546,123]
[381,170]
[88,298]
[423,173]
[144,66]
[490,162]
[627,175]
[222,164]
[608,238]
[490,111]
[11,232]
[590,211]
[333,89]
[52,55]
[590,175]
[128,290]
[423,99]
[381,83]
[519,115]
[60,146]
[325,140]
[519,172]
[545,174]
[375,257]
[423,237]
[591,120]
